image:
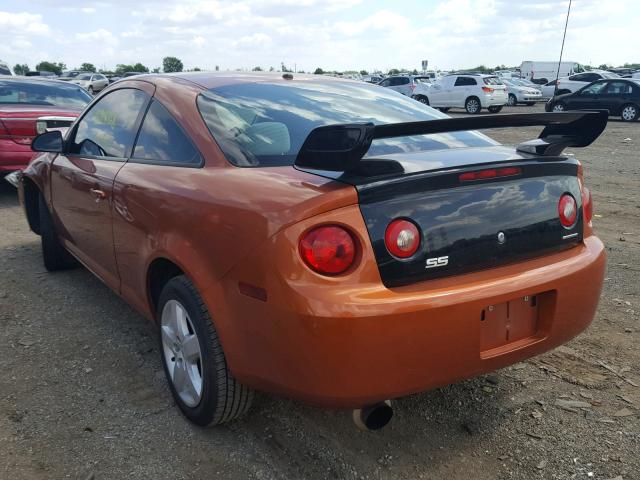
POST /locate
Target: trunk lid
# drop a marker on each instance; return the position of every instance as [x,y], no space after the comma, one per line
[469,225]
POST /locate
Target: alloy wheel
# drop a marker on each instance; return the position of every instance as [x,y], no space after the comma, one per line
[629,113]
[182,354]
[472,106]
[558,107]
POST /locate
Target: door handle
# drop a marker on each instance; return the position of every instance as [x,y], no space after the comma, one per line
[98,194]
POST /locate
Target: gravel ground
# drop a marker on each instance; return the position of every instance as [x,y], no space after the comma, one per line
[82,393]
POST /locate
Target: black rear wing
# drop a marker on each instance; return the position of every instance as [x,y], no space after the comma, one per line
[341,147]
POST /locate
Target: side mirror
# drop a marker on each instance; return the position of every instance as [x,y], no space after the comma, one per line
[48,142]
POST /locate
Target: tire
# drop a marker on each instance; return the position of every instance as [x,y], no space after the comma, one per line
[495,109]
[422,99]
[472,105]
[55,256]
[512,101]
[90,89]
[210,395]
[558,107]
[629,112]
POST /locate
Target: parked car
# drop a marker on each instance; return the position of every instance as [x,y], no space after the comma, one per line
[5,69]
[405,84]
[113,78]
[91,82]
[542,72]
[473,92]
[131,74]
[40,73]
[548,90]
[71,74]
[621,97]
[29,106]
[519,92]
[575,82]
[372,78]
[290,233]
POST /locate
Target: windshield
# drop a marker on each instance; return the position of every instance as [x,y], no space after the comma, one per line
[40,93]
[84,76]
[265,124]
[609,75]
[69,74]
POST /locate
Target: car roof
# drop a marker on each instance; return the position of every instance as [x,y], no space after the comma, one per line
[209,80]
[34,80]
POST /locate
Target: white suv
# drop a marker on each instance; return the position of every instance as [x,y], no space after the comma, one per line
[473,92]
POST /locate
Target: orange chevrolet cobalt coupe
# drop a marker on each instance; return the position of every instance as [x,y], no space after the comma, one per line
[330,241]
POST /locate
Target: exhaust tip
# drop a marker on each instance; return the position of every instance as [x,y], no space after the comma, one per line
[373,417]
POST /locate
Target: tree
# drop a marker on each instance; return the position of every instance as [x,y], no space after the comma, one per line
[87,67]
[196,69]
[271,69]
[319,71]
[257,69]
[21,69]
[56,68]
[156,70]
[138,67]
[364,72]
[394,71]
[172,64]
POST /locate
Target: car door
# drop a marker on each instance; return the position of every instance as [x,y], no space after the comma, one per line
[588,97]
[462,89]
[404,86]
[82,178]
[163,163]
[616,94]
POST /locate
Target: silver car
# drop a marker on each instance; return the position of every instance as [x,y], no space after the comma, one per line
[520,92]
[91,82]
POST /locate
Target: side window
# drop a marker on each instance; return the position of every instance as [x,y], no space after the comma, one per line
[385,83]
[403,81]
[618,88]
[162,140]
[594,89]
[109,128]
[581,77]
[464,81]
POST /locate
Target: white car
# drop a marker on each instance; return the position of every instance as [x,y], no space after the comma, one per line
[472,91]
[576,82]
[91,82]
[520,92]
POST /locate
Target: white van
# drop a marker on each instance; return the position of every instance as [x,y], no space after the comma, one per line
[544,72]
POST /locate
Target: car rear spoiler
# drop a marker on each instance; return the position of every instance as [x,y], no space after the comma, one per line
[341,147]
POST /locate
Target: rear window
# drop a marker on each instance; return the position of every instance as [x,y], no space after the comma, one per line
[84,76]
[492,81]
[40,93]
[423,79]
[265,124]
[465,81]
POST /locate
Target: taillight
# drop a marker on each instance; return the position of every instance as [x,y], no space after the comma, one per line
[587,204]
[329,250]
[487,89]
[567,210]
[402,238]
[489,173]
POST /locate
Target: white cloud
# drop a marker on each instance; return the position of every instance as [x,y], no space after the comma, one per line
[22,22]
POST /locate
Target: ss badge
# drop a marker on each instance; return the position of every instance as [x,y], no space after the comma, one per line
[437,262]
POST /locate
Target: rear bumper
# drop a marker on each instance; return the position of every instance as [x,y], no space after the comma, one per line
[493,100]
[14,156]
[346,346]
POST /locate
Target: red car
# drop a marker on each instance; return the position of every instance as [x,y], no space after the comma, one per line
[331,241]
[29,106]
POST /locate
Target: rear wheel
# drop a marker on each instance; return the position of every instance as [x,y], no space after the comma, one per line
[512,101]
[422,99]
[495,109]
[90,89]
[55,256]
[193,360]
[629,113]
[472,105]
[559,107]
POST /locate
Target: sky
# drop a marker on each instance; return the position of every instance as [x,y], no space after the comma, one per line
[331,34]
